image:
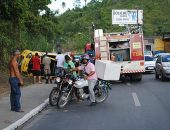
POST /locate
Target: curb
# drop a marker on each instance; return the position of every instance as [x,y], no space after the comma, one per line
[28,116]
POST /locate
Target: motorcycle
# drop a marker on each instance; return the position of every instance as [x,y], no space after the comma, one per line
[79,86]
[60,79]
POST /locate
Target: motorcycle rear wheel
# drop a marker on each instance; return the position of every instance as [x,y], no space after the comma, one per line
[101,94]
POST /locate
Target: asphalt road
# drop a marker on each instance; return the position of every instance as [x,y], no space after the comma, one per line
[141,105]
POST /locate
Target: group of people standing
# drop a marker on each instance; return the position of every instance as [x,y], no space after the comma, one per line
[67,61]
[86,66]
[64,61]
[37,67]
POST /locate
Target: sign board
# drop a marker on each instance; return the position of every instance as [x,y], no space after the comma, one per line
[124,17]
[136,47]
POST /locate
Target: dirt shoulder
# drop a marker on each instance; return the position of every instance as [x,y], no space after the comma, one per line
[4,84]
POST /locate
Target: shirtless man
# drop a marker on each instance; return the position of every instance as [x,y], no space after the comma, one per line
[15,81]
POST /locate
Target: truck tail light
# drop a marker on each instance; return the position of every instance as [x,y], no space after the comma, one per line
[141,63]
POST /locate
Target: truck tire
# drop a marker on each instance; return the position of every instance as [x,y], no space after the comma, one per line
[136,77]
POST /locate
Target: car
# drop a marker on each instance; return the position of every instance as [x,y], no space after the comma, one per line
[148,53]
[162,66]
[158,54]
[149,64]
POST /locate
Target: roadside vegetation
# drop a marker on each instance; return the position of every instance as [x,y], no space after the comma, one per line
[22,26]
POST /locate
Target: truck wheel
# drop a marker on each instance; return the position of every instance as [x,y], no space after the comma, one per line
[156,75]
[139,79]
[136,77]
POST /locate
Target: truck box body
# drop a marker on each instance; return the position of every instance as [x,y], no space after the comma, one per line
[107,70]
[127,48]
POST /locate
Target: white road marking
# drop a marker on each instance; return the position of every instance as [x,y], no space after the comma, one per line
[136,100]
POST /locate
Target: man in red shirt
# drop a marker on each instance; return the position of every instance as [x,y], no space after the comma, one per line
[36,69]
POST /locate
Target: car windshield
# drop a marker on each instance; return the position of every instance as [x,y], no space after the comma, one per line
[166,58]
[148,58]
[148,53]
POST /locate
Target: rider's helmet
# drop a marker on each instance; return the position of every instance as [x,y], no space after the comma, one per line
[85,57]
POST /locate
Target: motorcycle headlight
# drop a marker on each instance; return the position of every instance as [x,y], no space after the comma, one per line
[70,82]
[58,79]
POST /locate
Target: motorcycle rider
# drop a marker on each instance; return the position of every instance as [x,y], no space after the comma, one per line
[68,63]
[91,76]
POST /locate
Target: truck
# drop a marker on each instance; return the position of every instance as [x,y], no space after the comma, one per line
[128,49]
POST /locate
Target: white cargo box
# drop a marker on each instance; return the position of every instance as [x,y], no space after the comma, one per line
[107,70]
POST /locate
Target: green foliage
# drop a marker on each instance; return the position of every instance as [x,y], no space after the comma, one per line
[22,27]
[71,23]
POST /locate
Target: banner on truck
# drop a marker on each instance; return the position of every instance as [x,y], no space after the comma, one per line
[136,43]
[124,17]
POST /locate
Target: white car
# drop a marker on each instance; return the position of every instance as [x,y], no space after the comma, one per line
[148,53]
[159,54]
[149,64]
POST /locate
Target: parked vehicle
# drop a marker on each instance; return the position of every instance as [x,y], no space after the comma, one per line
[127,46]
[162,67]
[157,55]
[148,53]
[60,79]
[149,64]
[128,51]
[79,86]
[26,56]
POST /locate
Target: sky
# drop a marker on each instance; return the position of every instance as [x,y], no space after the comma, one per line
[57,5]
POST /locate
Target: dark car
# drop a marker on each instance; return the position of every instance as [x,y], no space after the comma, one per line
[162,66]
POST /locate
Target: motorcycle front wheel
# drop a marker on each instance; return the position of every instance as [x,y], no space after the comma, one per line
[53,97]
[101,94]
[63,99]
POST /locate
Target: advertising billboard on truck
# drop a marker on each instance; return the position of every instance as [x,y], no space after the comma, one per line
[124,17]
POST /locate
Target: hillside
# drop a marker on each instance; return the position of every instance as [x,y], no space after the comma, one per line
[22,27]
[75,26]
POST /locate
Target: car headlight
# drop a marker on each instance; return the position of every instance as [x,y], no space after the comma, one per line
[166,67]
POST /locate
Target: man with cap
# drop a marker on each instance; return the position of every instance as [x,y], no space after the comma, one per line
[47,70]
[15,81]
